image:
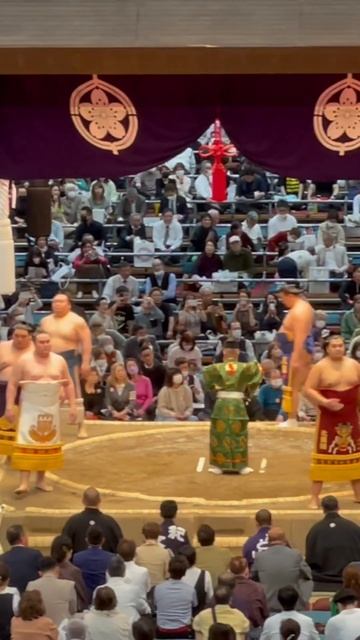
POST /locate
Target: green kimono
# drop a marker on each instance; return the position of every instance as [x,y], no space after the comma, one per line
[229,420]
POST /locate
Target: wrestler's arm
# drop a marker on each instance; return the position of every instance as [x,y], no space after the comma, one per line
[86,346]
[302,324]
[3,363]
[314,382]
[69,390]
[11,390]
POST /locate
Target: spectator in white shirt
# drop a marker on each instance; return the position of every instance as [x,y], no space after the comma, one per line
[288,597]
[129,598]
[203,183]
[332,256]
[346,625]
[167,233]
[122,278]
[183,182]
[138,576]
[302,259]
[282,220]
[331,226]
[252,229]
[200,579]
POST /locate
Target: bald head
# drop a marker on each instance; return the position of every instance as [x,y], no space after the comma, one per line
[277,536]
[91,498]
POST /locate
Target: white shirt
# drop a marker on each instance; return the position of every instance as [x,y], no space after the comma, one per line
[138,576]
[344,626]
[272,626]
[304,260]
[253,232]
[281,223]
[174,239]
[334,258]
[128,596]
[203,186]
[116,281]
[16,598]
[191,577]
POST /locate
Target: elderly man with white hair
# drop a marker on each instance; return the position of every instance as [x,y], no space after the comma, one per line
[72,203]
[73,629]
[252,229]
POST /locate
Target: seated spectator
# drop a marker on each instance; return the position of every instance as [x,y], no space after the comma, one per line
[159,278]
[93,561]
[89,264]
[110,191]
[221,612]
[291,187]
[98,200]
[270,314]
[203,232]
[350,288]
[203,183]
[197,578]
[185,348]
[57,236]
[71,203]
[331,545]
[151,317]
[331,227]
[293,237]
[282,220]
[351,578]
[267,366]
[237,258]
[295,264]
[134,229]
[9,602]
[104,621]
[99,363]
[236,230]
[122,278]
[167,233]
[190,380]
[89,226]
[354,347]
[137,576]
[209,556]
[334,257]
[74,629]
[172,201]
[103,313]
[209,262]
[145,182]
[152,369]
[120,395]
[22,311]
[319,325]
[246,349]
[56,206]
[130,600]
[275,354]
[89,255]
[93,394]
[122,311]
[167,328]
[143,389]
[220,631]
[252,229]
[215,316]
[175,601]
[270,396]
[32,623]
[182,181]
[131,204]
[260,540]
[248,596]
[77,526]
[350,320]
[61,552]
[143,629]
[22,561]
[58,595]
[152,555]
[345,625]
[288,598]
[244,313]
[47,251]
[138,340]
[172,536]
[113,356]
[36,266]
[290,630]
[279,566]
[191,316]
[175,398]
[250,186]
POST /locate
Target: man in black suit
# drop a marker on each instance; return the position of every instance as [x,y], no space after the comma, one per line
[23,561]
[135,229]
[171,200]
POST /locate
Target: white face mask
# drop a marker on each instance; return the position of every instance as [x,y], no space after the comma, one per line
[180,173]
[317,356]
[236,333]
[71,194]
[276,384]
[108,348]
[177,380]
[159,273]
[101,365]
[187,347]
[320,324]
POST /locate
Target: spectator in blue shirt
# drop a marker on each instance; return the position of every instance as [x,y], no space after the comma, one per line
[259,541]
[175,602]
[172,536]
[270,395]
[94,561]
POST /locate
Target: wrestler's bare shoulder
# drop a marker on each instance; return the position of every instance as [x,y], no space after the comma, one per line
[70,317]
[346,364]
[302,307]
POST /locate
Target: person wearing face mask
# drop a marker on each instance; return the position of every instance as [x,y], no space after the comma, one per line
[175,401]
[350,321]
[246,349]
[173,201]
[319,325]
[183,182]
[71,203]
[143,389]
[93,394]
[192,316]
[36,266]
[120,394]
[270,314]
[131,203]
[163,279]
[270,396]
[112,355]
[99,362]
[185,348]
[282,220]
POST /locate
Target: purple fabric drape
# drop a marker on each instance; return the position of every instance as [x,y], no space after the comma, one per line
[269,118]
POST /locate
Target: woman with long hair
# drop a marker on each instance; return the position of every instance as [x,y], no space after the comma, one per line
[57,209]
[143,388]
[97,198]
[120,394]
[61,551]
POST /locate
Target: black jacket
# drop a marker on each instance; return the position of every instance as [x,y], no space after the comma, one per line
[77,526]
[24,564]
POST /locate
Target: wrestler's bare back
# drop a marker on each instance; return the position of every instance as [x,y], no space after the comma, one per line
[329,374]
[303,312]
[49,369]
[9,356]
[64,331]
